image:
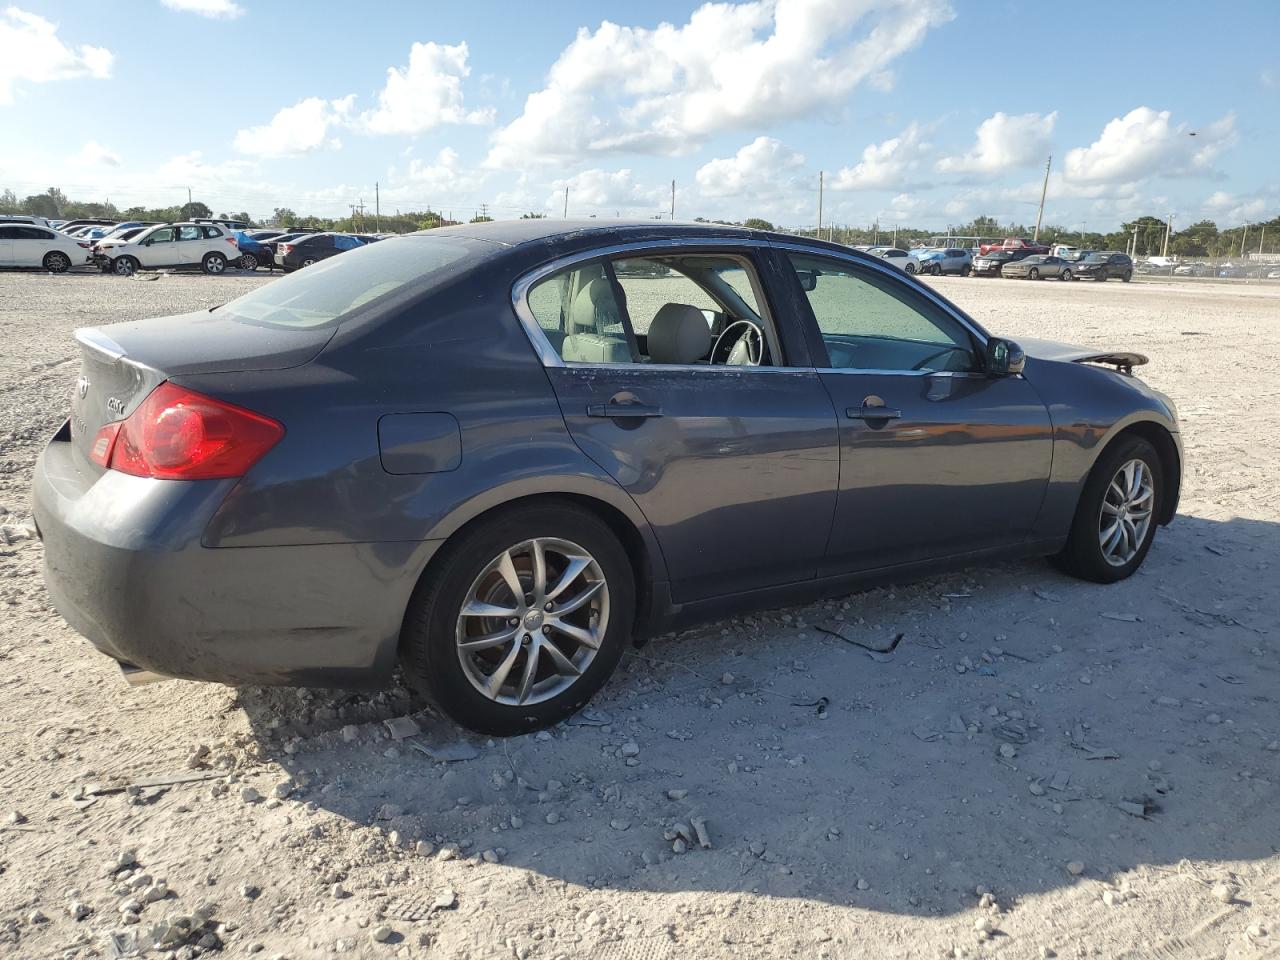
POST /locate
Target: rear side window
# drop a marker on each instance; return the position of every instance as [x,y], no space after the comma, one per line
[189,233]
[212,232]
[579,313]
[328,292]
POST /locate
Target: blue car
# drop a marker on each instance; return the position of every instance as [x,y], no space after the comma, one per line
[254,253]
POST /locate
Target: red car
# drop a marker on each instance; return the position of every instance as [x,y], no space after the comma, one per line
[1015,243]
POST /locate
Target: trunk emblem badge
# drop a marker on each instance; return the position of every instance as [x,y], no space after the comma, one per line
[82,387]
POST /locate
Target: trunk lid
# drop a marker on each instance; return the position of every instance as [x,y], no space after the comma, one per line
[121,364]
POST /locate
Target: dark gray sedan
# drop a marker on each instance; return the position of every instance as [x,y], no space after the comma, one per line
[499,453]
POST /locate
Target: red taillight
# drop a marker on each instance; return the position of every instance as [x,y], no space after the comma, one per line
[104,443]
[233,241]
[178,434]
[85,245]
[286,249]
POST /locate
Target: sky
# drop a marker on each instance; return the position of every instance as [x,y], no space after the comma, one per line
[919,112]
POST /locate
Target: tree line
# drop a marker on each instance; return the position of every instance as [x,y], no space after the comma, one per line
[1200,239]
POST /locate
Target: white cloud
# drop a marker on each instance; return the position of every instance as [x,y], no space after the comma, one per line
[93,154]
[888,165]
[1004,143]
[756,169]
[30,52]
[603,191]
[1269,77]
[302,128]
[1145,143]
[424,94]
[732,66]
[213,9]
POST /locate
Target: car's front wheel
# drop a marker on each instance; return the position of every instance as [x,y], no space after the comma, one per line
[1127,276]
[125,266]
[248,261]
[214,263]
[935,270]
[1116,517]
[910,268]
[1034,274]
[1100,276]
[966,270]
[1065,275]
[521,620]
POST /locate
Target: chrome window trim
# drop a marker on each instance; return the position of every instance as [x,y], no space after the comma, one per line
[550,358]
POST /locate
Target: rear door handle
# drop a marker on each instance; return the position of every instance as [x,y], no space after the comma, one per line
[623,410]
[873,413]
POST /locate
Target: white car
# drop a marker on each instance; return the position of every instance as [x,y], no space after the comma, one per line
[899,258]
[204,245]
[25,245]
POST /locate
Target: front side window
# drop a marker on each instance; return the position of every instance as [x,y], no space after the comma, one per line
[163,235]
[874,322]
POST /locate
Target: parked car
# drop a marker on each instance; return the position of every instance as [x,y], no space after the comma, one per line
[1065,252]
[232,225]
[311,248]
[31,221]
[26,245]
[899,258]
[95,252]
[90,222]
[176,245]
[1273,274]
[464,452]
[1105,266]
[1014,243]
[253,252]
[945,260]
[992,264]
[1039,266]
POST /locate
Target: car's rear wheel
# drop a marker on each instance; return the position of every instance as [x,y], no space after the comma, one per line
[1128,275]
[910,268]
[1065,275]
[522,620]
[55,261]
[1116,517]
[1033,274]
[125,266]
[214,263]
[966,270]
[935,269]
[248,261]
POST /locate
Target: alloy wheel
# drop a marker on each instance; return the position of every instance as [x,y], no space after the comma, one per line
[57,263]
[1125,516]
[532,621]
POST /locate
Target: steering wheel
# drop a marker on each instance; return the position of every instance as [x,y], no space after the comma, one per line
[740,344]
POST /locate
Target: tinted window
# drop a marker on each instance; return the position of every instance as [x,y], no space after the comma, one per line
[579,314]
[333,289]
[955,253]
[32,233]
[871,322]
[8,233]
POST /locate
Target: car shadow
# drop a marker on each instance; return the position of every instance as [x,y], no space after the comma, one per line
[1020,723]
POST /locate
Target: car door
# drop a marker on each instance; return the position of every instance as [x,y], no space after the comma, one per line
[31,244]
[734,466]
[6,246]
[158,248]
[191,245]
[938,458]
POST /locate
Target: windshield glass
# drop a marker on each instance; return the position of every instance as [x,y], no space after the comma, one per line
[334,288]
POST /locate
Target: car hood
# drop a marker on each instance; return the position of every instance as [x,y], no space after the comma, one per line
[1067,353]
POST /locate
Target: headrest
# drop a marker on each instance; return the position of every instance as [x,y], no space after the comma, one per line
[593,307]
[678,334]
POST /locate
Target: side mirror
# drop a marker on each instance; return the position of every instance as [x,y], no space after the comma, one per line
[1004,358]
[808,280]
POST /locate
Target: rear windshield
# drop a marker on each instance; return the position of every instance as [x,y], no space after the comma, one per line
[329,291]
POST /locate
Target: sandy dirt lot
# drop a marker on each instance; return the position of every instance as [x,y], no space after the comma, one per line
[959,798]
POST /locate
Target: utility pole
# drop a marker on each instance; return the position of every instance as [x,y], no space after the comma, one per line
[895,234]
[1043,190]
[673,199]
[1168,228]
[566,203]
[188,194]
[1135,241]
[484,210]
[1260,239]
[1242,238]
[818,233]
[377,208]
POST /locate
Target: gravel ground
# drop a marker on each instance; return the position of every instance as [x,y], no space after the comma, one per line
[962,797]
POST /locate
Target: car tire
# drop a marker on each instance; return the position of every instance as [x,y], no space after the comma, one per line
[935,270]
[307,262]
[1085,554]
[214,264]
[248,261]
[125,266]
[1065,275]
[910,268]
[966,270]
[1128,275]
[470,572]
[55,261]
[1100,276]
[1033,274]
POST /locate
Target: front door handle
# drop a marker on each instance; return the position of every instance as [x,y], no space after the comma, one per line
[866,412]
[614,409]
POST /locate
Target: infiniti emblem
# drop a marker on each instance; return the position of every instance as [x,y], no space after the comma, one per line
[82,387]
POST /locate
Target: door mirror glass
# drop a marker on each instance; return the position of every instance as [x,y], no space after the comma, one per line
[1004,357]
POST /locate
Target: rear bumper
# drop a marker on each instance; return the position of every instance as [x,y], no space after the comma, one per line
[125,567]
